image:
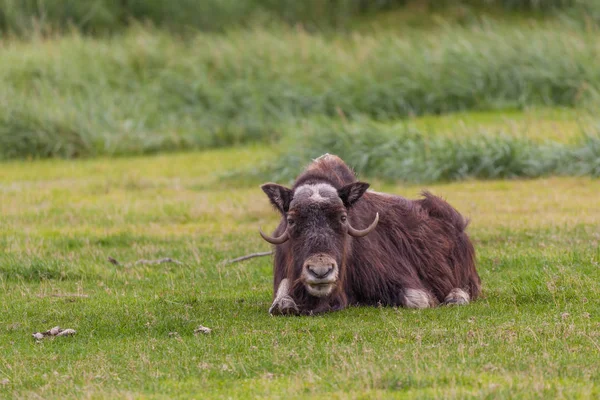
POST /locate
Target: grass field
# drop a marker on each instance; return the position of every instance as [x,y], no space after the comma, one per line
[172,116]
[534,334]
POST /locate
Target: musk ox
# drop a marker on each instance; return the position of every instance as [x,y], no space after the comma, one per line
[339,244]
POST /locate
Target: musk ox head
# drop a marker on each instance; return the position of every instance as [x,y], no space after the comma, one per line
[315,230]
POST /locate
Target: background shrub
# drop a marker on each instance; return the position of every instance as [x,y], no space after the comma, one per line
[149,91]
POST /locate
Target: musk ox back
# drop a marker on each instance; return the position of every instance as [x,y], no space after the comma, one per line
[339,244]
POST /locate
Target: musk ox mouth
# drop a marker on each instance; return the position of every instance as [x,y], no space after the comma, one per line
[319,289]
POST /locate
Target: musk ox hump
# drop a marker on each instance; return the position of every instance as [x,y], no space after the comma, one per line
[328,168]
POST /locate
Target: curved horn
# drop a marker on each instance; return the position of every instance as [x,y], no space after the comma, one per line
[274,240]
[363,232]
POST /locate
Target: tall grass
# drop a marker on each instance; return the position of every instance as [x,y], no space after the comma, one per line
[148,91]
[405,154]
[103,16]
[23,17]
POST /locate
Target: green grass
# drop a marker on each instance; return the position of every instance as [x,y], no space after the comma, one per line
[561,125]
[27,17]
[534,334]
[147,91]
[109,16]
[282,95]
[401,151]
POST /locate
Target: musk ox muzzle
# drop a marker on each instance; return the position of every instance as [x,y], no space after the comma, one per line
[320,274]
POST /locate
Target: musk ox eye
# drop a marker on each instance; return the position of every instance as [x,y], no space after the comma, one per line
[290,221]
[343,218]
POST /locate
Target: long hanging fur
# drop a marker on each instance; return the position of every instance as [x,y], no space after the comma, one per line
[417,244]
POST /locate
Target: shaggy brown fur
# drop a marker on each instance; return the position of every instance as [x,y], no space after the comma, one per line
[417,244]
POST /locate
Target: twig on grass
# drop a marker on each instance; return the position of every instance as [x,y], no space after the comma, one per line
[248,256]
[114,261]
[143,261]
[159,261]
[63,295]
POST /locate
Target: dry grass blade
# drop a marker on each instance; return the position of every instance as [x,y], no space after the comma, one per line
[248,256]
[145,262]
[67,295]
[159,261]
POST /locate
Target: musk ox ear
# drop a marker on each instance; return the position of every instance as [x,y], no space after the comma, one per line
[352,192]
[280,196]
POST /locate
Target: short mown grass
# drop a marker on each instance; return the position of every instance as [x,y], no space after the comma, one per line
[533,334]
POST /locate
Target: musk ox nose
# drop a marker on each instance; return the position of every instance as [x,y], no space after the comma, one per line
[320,271]
[320,267]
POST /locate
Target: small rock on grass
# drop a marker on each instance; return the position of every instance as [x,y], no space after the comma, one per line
[56,331]
[202,329]
[66,332]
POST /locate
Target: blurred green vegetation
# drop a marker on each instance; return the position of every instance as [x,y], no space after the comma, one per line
[110,78]
[402,153]
[147,91]
[103,16]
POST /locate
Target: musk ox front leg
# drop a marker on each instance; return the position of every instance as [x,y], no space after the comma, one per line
[283,303]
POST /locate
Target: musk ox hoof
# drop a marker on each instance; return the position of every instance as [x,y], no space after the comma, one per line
[457,297]
[417,298]
[284,305]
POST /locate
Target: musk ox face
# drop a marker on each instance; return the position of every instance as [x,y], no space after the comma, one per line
[316,231]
